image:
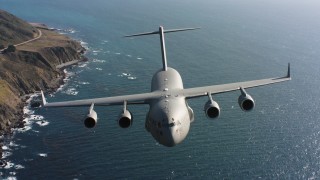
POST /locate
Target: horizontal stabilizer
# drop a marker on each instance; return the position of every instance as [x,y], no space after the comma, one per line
[165,31]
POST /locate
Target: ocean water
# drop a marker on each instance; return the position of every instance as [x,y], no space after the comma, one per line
[238,41]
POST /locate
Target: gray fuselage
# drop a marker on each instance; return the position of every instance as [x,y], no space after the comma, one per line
[169,117]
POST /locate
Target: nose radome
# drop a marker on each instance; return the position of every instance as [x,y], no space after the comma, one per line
[176,135]
[171,137]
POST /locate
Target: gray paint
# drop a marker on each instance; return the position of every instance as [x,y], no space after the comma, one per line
[169,116]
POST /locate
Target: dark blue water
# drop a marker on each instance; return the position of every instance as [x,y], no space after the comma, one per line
[238,41]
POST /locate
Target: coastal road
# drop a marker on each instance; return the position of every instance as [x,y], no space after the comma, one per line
[25,42]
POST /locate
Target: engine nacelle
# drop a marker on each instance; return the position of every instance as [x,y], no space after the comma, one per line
[245,101]
[91,120]
[212,109]
[125,119]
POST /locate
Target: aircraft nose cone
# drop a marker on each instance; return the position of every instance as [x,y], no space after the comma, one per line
[176,135]
[173,138]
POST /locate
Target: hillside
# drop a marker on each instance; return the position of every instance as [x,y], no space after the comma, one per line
[31,67]
[14,30]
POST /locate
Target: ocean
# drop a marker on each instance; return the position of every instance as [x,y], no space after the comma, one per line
[238,41]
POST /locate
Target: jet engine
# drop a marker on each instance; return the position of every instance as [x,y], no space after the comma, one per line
[245,101]
[91,119]
[212,108]
[125,119]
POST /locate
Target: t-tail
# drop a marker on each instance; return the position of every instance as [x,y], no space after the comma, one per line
[161,32]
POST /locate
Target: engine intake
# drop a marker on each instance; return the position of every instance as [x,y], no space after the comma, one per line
[91,119]
[125,119]
[245,101]
[212,109]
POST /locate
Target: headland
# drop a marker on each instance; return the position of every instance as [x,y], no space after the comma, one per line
[32,57]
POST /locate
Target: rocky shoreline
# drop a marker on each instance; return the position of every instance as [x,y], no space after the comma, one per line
[36,61]
[31,67]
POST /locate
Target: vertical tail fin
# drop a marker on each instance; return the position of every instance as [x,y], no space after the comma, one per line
[162,41]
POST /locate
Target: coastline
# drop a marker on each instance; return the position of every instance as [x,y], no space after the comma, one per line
[24,116]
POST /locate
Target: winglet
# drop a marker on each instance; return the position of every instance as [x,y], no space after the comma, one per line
[288,73]
[44,102]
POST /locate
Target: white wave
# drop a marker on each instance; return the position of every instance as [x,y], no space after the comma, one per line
[36,117]
[12,144]
[43,154]
[11,178]
[99,69]
[29,119]
[27,111]
[5,147]
[129,55]
[126,74]
[80,82]
[68,73]
[19,166]
[42,123]
[6,154]
[67,76]
[95,52]
[70,30]
[117,53]
[131,77]
[8,165]
[99,60]
[71,91]
[139,58]
[60,88]
[82,42]
[65,80]
[83,64]
[24,129]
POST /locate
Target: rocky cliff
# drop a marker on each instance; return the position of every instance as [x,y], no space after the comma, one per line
[31,67]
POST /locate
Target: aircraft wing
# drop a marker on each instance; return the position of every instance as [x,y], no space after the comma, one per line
[216,89]
[143,98]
